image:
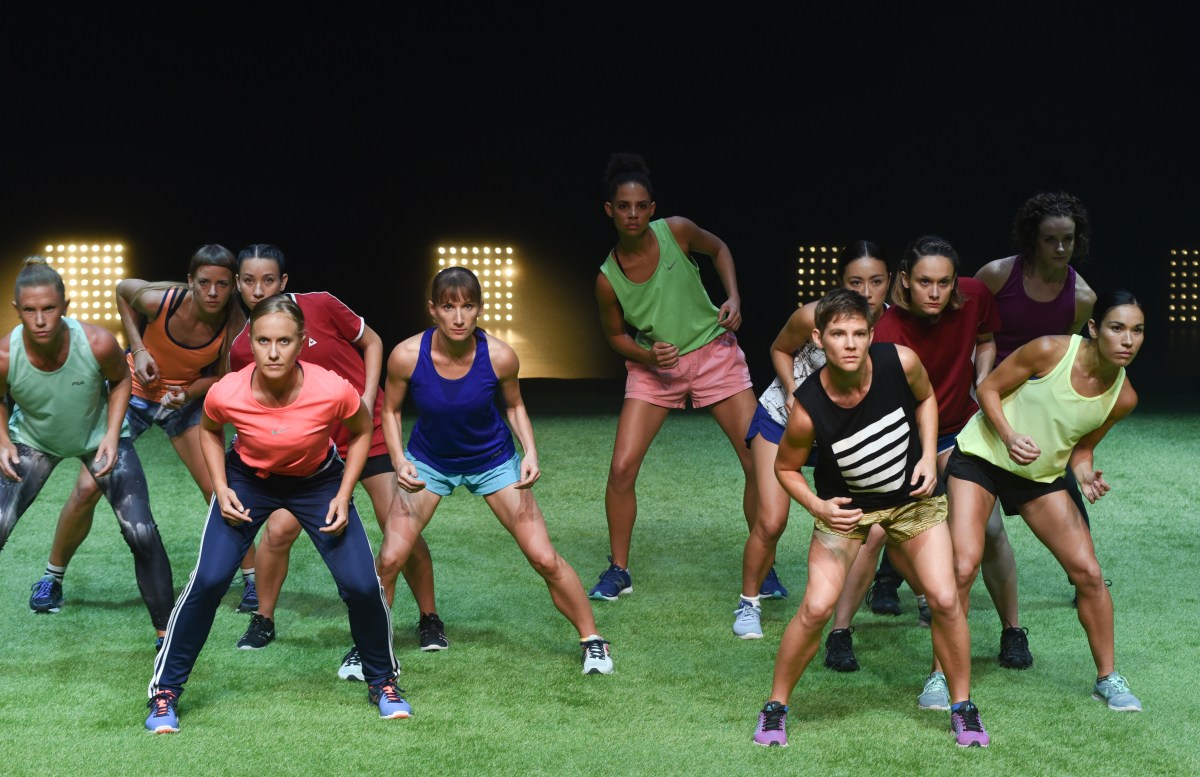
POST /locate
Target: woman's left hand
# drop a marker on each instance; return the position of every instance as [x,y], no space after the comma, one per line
[730,315]
[530,472]
[337,517]
[175,398]
[1093,485]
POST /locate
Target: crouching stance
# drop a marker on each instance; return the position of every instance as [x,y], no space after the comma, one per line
[872,416]
[282,459]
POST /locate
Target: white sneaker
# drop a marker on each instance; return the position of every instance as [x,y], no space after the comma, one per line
[351,668]
[596,657]
[747,621]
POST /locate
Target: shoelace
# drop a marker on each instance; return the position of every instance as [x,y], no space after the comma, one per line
[161,703]
[595,648]
[44,588]
[773,719]
[1118,684]
[392,693]
[970,719]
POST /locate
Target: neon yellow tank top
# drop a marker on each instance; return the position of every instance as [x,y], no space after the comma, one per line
[1049,410]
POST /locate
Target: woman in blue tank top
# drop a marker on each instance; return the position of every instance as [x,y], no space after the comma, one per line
[454,372]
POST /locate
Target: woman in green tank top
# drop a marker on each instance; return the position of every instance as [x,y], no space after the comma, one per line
[1048,405]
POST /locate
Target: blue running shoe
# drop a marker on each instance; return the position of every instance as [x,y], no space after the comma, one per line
[614,582]
[390,699]
[249,601]
[163,719]
[771,587]
[46,595]
[936,694]
[1115,690]
[747,621]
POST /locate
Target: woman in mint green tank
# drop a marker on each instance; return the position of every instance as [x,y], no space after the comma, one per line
[683,347]
[1046,407]
[70,385]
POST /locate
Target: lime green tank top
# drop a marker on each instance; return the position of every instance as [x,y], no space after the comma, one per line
[1049,410]
[63,412]
[672,305]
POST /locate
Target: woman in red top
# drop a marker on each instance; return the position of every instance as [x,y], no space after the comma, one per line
[179,337]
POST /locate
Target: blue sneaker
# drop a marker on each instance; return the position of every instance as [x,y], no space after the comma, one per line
[771,587]
[249,601]
[614,582]
[1115,690]
[163,719]
[390,699]
[46,595]
[747,621]
[936,694]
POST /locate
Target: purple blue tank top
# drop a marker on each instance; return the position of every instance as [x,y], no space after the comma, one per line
[459,429]
[1024,319]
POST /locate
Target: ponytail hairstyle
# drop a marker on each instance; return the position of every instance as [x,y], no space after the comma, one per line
[278,303]
[36,271]
[1108,300]
[261,251]
[929,245]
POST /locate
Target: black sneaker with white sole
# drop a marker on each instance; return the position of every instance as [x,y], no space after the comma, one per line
[432,632]
[259,634]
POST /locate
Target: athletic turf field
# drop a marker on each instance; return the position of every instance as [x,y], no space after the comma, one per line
[507,698]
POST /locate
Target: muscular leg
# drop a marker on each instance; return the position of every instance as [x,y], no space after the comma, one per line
[418,569]
[75,519]
[772,516]
[125,489]
[519,513]
[858,581]
[1055,521]
[1000,570]
[406,518]
[274,548]
[930,557]
[733,415]
[829,561]
[637,427]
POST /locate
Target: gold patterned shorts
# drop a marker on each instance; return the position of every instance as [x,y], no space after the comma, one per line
[901,523]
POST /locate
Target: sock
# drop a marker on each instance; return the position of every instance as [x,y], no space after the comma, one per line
[921,601]
[959,705]
[752,599]
[590,638]
[247,574]
[56,572]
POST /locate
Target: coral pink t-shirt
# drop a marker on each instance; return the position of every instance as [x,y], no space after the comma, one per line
[289,440]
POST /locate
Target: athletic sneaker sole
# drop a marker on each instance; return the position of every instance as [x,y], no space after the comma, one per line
[44,610]
[1098,697]
[596,596]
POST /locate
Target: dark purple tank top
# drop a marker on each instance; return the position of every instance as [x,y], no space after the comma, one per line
[1023,319]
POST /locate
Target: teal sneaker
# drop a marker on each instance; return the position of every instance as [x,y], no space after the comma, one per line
[936,695]
[1114,690]
[747,622]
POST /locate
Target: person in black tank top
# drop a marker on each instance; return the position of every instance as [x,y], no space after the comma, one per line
[872,415]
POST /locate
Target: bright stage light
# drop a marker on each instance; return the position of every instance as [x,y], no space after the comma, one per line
[817,272]
[1183,287]
[90,273]
[496,269]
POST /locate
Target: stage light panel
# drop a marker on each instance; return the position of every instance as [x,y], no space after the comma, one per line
[817,272]
[496,268]
[90,273]
[1183,287]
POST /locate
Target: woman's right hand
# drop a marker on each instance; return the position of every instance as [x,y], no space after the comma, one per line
[836,517]
[1023,450]
[231,507]
[145,369]
[666,356]
[408,479]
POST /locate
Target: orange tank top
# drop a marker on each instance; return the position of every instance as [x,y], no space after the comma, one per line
[178,364]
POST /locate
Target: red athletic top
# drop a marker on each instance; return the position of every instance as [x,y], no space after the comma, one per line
[945,348]
[178,364]
[290,440]
[333,329]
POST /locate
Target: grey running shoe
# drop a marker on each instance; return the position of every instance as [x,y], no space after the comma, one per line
[936,695]
[1114,690]
[747,621]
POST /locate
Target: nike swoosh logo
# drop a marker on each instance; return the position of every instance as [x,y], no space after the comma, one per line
[277,431]
[672,264]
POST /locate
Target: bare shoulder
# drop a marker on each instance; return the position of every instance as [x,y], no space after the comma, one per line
[104,344]
[996,272]
[909,359]
[4,354]
[1084,295]
[1126,401]
[403,358]
[504,359]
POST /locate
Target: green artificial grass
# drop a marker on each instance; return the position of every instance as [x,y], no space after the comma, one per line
[507,698]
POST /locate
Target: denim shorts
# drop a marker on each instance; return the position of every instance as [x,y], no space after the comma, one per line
[142,414]
[478,483]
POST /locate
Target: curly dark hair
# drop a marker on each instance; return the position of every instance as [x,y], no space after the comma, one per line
[1047,205]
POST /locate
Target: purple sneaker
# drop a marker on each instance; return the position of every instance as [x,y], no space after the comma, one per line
[772,725]
[968,729]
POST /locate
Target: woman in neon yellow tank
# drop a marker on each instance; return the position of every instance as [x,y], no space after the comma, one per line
[683,348]
[1045,407]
